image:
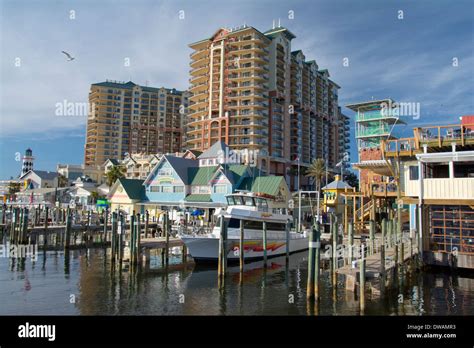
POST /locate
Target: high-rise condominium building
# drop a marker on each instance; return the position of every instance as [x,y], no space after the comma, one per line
[128,118]
[250,90]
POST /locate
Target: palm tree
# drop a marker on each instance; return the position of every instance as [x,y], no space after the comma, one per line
[317,170]
[62,181]
[114,173]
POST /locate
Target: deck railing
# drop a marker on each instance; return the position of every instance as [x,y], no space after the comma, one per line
[433,136]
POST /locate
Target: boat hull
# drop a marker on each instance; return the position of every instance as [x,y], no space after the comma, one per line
[206,249]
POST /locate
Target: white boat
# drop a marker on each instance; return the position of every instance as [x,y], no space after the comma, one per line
[254,210]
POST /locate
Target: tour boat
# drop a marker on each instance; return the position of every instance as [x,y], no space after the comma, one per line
[254,210]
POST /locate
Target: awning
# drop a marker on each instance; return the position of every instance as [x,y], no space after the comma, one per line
[440,157]
[380,167]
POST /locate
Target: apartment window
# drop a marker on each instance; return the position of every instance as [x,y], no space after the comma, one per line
[414,174]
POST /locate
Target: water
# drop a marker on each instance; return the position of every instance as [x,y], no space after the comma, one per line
[84,285]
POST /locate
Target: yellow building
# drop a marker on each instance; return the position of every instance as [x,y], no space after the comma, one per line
[333,199]
[125,196]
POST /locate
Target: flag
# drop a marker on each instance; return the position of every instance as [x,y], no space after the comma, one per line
[339,164]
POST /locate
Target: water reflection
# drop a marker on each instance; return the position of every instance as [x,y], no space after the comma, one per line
[177,289]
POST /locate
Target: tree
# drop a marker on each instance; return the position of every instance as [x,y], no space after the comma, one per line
[352,179]
[114,173]
[317,170]
[62,181]
[13,187]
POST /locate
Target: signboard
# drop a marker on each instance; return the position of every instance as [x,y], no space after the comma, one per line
[102,203]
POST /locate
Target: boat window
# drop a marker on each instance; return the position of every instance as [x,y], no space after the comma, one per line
[258,225]
[249,201]
[231,200]
[261,202]
[234,223]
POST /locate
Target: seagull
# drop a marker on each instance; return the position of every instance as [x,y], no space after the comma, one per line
[69,58]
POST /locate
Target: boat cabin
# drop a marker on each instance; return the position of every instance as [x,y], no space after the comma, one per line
[256,202]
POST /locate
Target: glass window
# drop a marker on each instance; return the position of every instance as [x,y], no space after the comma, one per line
[167,189]
[249,201]
[178,189]
[414,173]
[220,189]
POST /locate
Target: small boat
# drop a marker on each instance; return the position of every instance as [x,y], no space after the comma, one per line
[253,209]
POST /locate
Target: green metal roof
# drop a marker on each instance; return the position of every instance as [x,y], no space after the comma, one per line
[262,184]
[198,197]
[134,188]
[200,176]
[238,170]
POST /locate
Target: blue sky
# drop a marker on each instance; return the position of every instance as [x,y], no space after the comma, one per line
[409,59]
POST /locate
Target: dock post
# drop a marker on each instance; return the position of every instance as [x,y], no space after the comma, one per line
[401,258]
[184,253]
[138,238]
[113,235]
[334,244]
[121,233]
[287,233]
[46,211]
[241,246]
[106,218]
[372,236]
[265,244]
[167,235]
[67,233]
[389,233]
[89,219]
[147,217]
[350,230]
[317,258]
[24,235]
[222,266]
[311,263]
[382,247]
[362,279]
[132,238]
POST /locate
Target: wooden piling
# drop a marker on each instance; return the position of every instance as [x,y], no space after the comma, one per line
[132,237]
[46,213]
[334,244]
[167,236]
[147,217]
[221,264]
[138,238]
[264,244]
[241,246]
[67,236]
[311,263]
[350,230]
[106,221]
[372,236]
[382,246]
[317,259]
[362,279]
[287,233]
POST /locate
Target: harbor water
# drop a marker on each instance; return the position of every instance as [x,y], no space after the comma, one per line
[82,283]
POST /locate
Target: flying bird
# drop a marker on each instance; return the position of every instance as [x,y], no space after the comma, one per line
[69,57]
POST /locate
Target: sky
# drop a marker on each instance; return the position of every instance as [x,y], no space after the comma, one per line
[411,51]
